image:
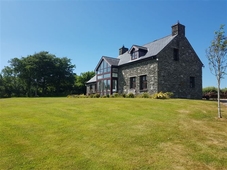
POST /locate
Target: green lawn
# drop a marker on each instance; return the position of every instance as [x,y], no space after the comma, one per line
[111,133]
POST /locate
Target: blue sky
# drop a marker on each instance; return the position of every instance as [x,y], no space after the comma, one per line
[84,31]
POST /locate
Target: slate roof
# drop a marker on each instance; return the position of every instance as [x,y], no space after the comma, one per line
[112,61]
[93,79]
[153,49]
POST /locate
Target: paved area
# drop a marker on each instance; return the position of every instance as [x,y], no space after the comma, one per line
[224,101]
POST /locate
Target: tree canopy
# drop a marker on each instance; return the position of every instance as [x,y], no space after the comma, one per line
[40,74]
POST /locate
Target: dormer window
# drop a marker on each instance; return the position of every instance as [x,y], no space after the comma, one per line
[137,52]
[134,55]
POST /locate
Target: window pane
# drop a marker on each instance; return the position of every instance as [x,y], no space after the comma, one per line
[106,75]
[99,86]
[100,76]
[133,82]
[108,84]
[102,86]
[115,69]
[192,82]
[175,54]
[134,55]
[143,82]
[114,86]
[100,71]
[106,65]
[114,75]
[102,65]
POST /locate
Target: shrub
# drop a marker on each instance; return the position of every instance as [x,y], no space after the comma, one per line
[169,94]
[130,95]
[124,95]
[162,95]
[91,96]
[97,95]
[145,95]
[82,96]
[116,95]
[73,96]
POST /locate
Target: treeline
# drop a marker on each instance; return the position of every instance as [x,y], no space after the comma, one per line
[213,89]
[41,74]
[212,92]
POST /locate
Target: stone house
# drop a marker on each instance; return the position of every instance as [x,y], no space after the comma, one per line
[169,64]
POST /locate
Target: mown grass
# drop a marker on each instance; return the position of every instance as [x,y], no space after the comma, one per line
[111,133]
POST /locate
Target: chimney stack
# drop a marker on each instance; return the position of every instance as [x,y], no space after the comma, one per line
[122,50]
[178,29]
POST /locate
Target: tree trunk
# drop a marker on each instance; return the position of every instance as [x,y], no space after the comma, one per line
[219,106]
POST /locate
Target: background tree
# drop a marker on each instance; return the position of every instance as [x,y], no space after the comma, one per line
[80,87]
[11,84]
[216,55]
[64,77]
[44,74]
[2,87]
[7,82]
[210,89]
[24,69]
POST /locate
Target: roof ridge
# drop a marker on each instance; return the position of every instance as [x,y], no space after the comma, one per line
[159,39]
[138,45]
[108,57]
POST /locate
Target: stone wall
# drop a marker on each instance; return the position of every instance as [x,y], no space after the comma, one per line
[174,76]
[136,69]
[91,88]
